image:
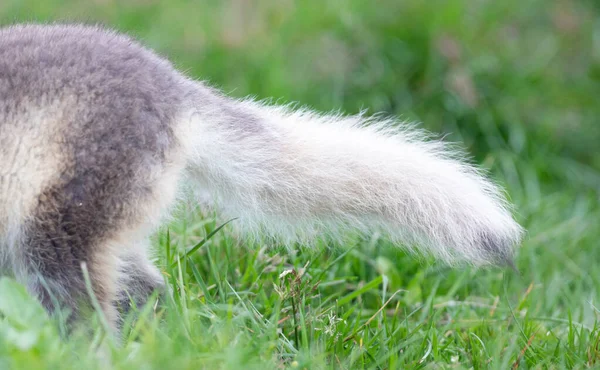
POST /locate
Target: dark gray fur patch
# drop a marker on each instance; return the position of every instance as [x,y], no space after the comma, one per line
[499,249]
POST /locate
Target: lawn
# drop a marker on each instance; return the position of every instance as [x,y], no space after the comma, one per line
[516,83]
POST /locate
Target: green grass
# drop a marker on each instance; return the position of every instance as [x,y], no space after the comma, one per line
[517,83]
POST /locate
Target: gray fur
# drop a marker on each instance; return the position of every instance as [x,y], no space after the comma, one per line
[114,134]
[99,132]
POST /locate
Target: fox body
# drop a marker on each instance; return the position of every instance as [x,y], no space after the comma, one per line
[99,137]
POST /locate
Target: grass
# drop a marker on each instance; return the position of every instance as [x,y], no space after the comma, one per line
[517,83]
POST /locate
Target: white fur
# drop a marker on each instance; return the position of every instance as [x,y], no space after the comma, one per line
[298,175]
[30,161]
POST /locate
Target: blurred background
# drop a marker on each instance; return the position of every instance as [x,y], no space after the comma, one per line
[516,83]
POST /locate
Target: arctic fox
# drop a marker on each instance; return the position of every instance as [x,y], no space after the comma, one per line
[98,135]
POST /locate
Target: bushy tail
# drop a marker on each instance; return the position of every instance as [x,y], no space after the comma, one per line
[297,175]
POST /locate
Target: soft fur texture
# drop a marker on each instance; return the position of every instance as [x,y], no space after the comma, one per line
[98,135]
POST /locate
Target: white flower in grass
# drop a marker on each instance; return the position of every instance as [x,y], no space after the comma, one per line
[330,328]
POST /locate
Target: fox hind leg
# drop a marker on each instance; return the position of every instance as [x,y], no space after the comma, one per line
[138,278]
[68,276]
[74,226]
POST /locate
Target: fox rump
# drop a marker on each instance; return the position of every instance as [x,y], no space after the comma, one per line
[100,136]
